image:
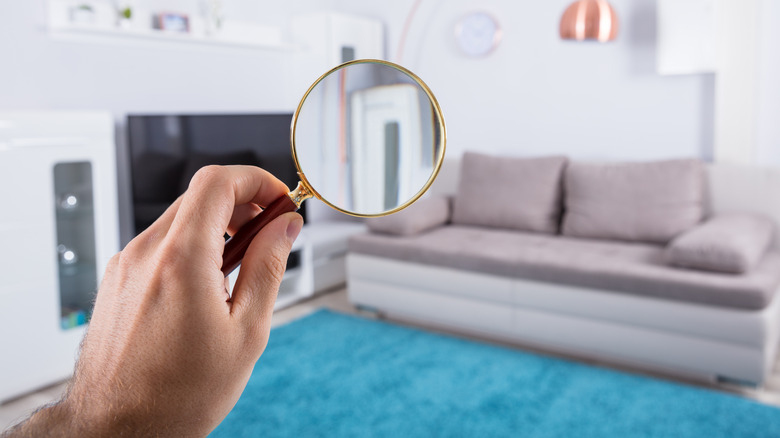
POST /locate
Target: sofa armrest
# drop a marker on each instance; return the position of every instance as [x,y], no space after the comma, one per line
[728,242]
[422,215]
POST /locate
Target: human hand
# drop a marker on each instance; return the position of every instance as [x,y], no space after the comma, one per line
[168,351]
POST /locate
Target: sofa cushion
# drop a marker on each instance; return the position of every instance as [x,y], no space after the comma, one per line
[634,268]
[422,215]
[728,242]
[643,202]
[515,193]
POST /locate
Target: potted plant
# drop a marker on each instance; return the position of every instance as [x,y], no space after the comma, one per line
[124,14]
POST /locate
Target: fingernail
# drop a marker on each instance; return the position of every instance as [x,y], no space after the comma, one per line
[294,227]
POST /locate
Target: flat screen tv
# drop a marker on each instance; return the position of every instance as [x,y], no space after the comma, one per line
[166,150]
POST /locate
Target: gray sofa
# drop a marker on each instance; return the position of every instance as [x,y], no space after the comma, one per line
[672,265]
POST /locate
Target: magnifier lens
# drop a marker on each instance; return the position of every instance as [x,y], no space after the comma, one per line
[368,138]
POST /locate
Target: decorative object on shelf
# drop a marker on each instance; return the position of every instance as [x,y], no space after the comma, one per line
[478,34]
[172,22]
[589,20]
[124,13]
[83,13]
[213,16]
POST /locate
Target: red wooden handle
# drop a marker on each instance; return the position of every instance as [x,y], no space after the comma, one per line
[236,247]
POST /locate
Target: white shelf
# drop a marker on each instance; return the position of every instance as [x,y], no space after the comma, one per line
[90,33]
[287,299]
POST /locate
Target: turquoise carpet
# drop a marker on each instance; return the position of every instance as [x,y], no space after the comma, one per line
[331,375]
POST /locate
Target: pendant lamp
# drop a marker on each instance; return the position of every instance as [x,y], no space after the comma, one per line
[589,20]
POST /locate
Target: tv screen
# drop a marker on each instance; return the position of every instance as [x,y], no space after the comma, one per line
[167,150]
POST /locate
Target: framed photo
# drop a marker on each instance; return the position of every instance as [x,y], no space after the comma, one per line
[173,22]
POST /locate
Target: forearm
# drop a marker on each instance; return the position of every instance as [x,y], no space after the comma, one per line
[71,418]
[53,420]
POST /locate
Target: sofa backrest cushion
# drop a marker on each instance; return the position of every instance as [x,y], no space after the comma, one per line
[513,193]
[646,202]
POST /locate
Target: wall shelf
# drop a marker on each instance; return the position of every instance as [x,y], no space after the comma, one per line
[137,36]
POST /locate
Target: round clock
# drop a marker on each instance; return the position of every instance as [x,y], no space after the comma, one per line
[478,34]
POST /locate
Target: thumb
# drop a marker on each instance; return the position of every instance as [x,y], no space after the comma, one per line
[262,270]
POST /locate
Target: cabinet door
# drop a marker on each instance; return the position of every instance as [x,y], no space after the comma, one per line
[35,349]
[75,246]
[58,228]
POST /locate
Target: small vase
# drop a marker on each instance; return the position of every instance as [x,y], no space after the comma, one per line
[212,14]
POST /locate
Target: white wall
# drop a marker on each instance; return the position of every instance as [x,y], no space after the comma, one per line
[768,141]
[539,95]
[41,72]
[736,97]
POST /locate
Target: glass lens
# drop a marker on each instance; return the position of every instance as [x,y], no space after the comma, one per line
[368,137]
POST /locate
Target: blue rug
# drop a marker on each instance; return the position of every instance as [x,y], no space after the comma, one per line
[331,375]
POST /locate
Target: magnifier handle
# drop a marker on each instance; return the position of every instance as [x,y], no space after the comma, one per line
[236,246]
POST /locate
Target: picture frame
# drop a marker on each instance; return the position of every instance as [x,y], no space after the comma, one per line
[172,22]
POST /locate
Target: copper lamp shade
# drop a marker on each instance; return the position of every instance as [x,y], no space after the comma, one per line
[589,20]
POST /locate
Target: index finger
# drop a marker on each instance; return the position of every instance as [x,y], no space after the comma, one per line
[213,194]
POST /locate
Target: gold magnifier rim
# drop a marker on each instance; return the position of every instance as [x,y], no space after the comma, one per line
[437,113]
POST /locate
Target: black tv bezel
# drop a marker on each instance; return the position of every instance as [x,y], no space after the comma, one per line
[131,158]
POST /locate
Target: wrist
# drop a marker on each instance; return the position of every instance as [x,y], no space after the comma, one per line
[55,420]
[90,414]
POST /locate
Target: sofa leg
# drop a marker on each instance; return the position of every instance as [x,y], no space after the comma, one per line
[736,382]
[370,311]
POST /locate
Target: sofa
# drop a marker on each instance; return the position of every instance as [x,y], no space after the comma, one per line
[672,266]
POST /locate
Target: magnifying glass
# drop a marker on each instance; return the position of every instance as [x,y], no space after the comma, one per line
[368,139]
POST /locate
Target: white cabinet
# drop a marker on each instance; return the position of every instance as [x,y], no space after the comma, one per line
[58,228]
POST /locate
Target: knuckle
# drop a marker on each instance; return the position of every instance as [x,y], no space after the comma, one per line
[113,262]
[128,257]
[207,176]
[139,243]
[167,258]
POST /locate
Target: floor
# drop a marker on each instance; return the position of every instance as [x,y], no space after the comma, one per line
[13,411]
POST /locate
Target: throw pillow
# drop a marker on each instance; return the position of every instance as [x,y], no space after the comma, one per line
[515,193]
[730,242]
[422,215]
[648,202]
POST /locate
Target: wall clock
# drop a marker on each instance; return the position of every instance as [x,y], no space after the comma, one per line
[477,34]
